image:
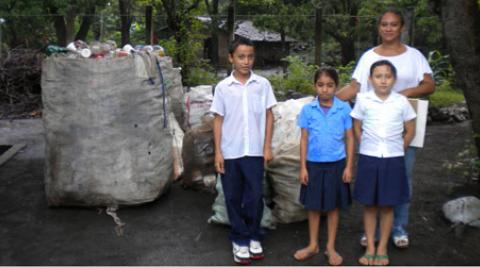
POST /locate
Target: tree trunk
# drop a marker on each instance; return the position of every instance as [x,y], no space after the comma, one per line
[60,30]
[70,18]
[318,36]
[461,27]
[284,51]
[58,24]
[406,36]
[87,21]
[126,21]
[231,21]
[214,28]
[148,25]
[347,47]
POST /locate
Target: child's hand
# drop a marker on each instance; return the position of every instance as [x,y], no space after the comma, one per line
[303,177]
[347,175]
[267,154]
[219,167]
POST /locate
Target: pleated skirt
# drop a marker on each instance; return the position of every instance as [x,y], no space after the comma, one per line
[325,190]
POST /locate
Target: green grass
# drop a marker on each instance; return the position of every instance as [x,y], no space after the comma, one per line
[445,96]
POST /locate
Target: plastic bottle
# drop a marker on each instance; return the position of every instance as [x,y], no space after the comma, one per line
[55,49]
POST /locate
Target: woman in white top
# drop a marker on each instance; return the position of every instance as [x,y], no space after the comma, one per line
[414,79]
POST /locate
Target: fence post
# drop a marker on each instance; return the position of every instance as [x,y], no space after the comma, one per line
[318,36]
[1,44]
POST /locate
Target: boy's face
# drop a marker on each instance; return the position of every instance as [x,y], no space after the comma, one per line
[382,79]
[242,59]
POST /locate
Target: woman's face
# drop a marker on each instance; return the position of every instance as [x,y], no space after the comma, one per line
[390,27]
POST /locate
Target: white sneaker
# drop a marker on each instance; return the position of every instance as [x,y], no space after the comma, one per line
[241,254]
[256,250]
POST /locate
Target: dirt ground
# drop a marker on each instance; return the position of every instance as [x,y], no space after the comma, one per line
[174,231]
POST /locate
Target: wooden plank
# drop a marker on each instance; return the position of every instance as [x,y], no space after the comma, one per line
[11,152]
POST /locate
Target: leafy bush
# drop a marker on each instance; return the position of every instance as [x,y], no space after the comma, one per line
[202,76]
[299,76]
[345,73]
[441,67]
[445,96]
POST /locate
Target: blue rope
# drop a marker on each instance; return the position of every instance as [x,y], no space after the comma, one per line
[164,93]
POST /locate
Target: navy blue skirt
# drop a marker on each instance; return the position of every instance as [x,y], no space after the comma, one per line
[325,190]
[381,181]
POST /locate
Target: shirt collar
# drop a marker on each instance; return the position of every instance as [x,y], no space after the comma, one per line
[335,105]
[371,95]
[231,79]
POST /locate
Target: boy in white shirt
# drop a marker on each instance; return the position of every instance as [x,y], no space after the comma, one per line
[243,128]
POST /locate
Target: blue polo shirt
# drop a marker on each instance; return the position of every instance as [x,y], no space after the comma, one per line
[326,131]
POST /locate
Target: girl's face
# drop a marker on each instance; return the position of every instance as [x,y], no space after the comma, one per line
[390,27]
[325,87]
[382,80]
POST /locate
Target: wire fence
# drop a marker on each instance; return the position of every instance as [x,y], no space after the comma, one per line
[337,29]
[23,39]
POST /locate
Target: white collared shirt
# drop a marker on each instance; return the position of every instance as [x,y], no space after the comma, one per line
[243,108]
[411,66]
[382,123]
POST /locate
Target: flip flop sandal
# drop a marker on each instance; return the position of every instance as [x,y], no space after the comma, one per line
[366,256]
[401,241]
[381,257]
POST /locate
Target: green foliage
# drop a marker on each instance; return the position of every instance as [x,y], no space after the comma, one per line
[299,78]
[445,95]
[441,67]
[466,163]
[17,29]
[345,73]
[202,76]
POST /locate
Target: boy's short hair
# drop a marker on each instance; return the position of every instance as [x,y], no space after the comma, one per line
[237,42]
[384,62]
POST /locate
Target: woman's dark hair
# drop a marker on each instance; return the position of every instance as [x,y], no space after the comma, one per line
[384,63]
[328,71]
[394,11]
[237,42]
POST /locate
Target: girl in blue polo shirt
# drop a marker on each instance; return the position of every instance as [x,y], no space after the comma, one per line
[326,161]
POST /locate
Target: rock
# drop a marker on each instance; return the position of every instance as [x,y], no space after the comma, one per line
[455,113]
[464,210]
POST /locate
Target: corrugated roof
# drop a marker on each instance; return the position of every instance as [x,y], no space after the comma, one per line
[246,29]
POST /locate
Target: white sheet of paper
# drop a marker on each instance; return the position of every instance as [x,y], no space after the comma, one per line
[421,108]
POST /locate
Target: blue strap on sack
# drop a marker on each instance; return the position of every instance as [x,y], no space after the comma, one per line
[164,93]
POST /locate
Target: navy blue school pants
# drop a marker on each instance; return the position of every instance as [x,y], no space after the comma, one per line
[242,186]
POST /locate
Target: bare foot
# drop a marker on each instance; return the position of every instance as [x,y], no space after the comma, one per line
[334,259]
[305,253]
